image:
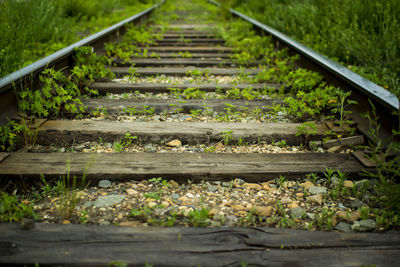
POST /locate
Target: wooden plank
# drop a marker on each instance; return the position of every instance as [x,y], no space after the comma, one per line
[117,88]
[188,35]
[195,55]
[182,39]
[67,131]
[177,49]
[177,166]
[3,156]
[184,26]
[88,245]
[147,62]
[172,105]
[121,71]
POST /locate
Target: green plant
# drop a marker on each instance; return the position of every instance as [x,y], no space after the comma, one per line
[281,143]
[199,217]
[11,210]
[280,181]
[305,130]
[67,192]
[341,111]
[227,136]
[324,219]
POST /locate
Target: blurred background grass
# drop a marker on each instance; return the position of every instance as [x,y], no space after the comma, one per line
[361,34]
[32,29]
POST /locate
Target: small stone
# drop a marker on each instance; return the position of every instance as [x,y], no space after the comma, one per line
[265,186]
[174,143]
[85,150]
[129,223]
[364,225]
[189,195]
[348,183]
[293,205]
[297,212]
[150,148]
[300,194]
[356,203]
[173,183]
[285,200]
[25,202]
[315,199]
[237,207]
[175,196]
[317,190]
[343,227]
[252,186]
[108,201]
[66,222]
[320,149]
[335,149]
[350,217]
[88,204]
[231,218]
[165,204]
[212,188]
[131,191]
[307,184]
[265,211]
[105,183]
[341,206]
[104,223]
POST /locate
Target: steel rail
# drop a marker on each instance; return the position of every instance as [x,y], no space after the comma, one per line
[18,76]
[387,103]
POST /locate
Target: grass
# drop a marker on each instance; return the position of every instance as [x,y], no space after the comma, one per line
[32,29]
[348,31]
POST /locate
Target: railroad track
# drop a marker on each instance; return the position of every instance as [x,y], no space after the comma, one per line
[186,134]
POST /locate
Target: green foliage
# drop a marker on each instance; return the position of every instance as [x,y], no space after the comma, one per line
[199,217]
[305,130]
[226,136]
[32,29]
[10,135]
[349,31]
[67,192]
[385,156]
[11,210]
[125,142]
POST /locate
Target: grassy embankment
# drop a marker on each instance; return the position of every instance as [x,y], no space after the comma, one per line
[361,34]
[32,29]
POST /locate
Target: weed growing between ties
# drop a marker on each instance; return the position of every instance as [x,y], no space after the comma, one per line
[60,93]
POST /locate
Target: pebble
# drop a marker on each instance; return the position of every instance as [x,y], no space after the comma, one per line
[315,199]
[108,201]
[286,200]
[343,227]
[265,211]
[317,190]
[297,212]
[212,188]
[348,184]
[307,184]
[348,216]
[174,143]
[104,183]
[252,186]
[131,191]
[364,225]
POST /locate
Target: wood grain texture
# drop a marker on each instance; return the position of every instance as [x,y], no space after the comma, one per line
[150,62]
[84,245]
[113,87]
[121,71]
[199,49]
[177,166]
[171,105]
[68,131]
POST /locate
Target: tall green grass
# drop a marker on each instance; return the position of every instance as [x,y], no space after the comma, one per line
[31,29]
[362,34]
